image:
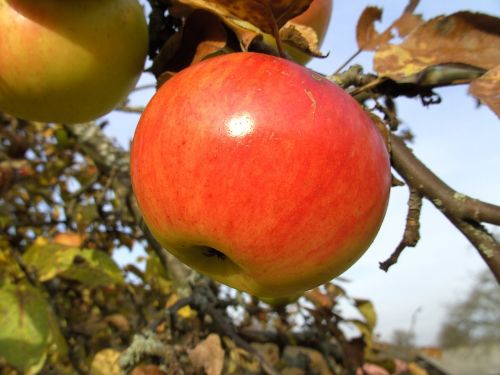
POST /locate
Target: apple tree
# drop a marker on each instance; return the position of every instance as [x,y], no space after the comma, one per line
[67,208]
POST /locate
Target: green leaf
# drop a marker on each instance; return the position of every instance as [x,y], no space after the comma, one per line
[56,338]
[156,275]
[87,213]
[88,266]
[49,260]
[94,268]
[5,216]
[364,329]
[366,309]
[24,327]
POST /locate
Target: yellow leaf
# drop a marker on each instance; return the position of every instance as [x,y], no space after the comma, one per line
[186,312]
[105,362]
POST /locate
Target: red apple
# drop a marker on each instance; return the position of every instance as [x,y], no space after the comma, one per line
[317,17]
[69,60]
[260,173]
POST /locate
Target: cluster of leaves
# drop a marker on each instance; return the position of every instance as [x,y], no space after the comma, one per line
[446,50]
[188,31]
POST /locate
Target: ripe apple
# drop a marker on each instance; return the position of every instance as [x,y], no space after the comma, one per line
[69,60]
[317,17]
[260,173]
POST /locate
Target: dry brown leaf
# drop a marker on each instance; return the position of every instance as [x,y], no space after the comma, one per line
[370,39]
[265,15]
[382,128]
[68,239]
[118,321]
[367,37]
[319,299]
[464,37]
[203,34]
[407,23]
[269,351]
[301,37]
[208,355]
[487,89]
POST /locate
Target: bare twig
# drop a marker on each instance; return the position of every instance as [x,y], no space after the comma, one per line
[130,109]
[464,212]
[352,57]
[411,235]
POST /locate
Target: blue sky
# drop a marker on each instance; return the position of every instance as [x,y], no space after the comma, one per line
[457,140]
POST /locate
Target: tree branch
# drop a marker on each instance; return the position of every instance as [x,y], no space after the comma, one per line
[464,212]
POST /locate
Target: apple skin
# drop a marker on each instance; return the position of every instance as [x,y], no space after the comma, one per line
[317,17]
[69,61]
[260,173]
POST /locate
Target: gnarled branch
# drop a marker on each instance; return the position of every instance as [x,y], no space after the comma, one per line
[464,212]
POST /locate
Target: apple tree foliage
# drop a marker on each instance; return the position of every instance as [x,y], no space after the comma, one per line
[66,206]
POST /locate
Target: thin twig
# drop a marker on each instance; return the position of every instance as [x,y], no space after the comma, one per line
[411,235]
[227,328]
[353,56]
[464,212]
[130,109]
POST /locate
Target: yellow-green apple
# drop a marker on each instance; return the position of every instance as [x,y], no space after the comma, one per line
[316,18]
[69,60]
[260,173]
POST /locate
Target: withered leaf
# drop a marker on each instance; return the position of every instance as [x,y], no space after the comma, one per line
[269,351]
[301,37]
[319,299]
[69,239]
[265,15]
[316,363]
[463,37]
[203,34]
[408,20]
[118,321]
[369,39]
[487,89]
[208,355]
[407,23]
[382,128]
[366,309]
